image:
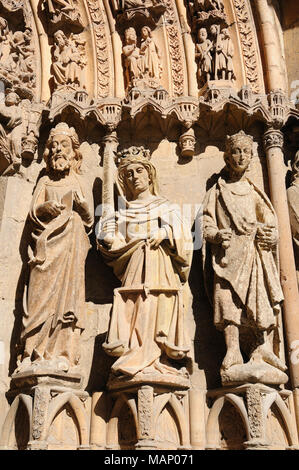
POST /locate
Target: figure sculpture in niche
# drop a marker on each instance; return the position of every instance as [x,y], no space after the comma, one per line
[151,255]
[224,54]
[214,55]
[132,56]
[4,38]
[11,129]
[203,55]
[150,55]
[60,10]
[68,61]
[61,214]
[293,201]
[142,65]
[17,54]
[240,230]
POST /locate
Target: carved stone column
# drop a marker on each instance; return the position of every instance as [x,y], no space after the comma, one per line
[145,418]
[110,143]
[273,142]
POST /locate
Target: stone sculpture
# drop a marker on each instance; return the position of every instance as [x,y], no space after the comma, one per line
[63,10]
[214,54]
[151,255]
[142,65]
[11,130]
[150,56]
[62,214]
[132,56]
[293,201]
[203,55]
[17,54]
[240,230]
[68,61]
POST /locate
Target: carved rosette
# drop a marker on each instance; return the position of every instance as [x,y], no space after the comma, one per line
[101,44]
[175,51]
[248,44]
[273,138]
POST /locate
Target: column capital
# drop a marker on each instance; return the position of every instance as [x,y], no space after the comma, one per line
[273,138]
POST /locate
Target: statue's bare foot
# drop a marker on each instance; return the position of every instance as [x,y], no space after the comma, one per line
[232,358]
[264,353]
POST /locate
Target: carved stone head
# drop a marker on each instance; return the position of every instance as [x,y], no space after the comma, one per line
[60,38]
[12,99]
[202,34]
[62,149]
[129,160]
[239,151]
[187,143]
[130,36]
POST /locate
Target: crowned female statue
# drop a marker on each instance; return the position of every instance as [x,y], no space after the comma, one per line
[151,254]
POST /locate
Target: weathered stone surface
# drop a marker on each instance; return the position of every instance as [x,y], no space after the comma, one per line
[180,79]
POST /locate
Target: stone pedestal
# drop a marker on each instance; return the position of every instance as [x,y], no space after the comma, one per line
[254,403]
[144,402]
[44,394]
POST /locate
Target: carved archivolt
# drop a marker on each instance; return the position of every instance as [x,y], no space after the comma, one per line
[101,46]
[248,43]
[175,49]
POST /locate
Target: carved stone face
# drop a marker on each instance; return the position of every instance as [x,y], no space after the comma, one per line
[12,99]
[59,38]
[187,144]
[240,155]
[62,152]
[136,179]
[130,36]
[145,32]
[213,30]
[202,34]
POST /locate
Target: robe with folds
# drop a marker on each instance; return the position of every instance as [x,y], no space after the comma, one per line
[246,286]
[149,309]
[56,291]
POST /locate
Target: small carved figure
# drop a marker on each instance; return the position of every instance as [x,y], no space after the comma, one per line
[203,54]
[132,56]
[240,230]
[151,255]
[293,201]
[62,214]
[21,55]
[187,143]
[4,38]
[63,9]
[11,129]
[150,55]
[224,56]
[68,61]
[206,5]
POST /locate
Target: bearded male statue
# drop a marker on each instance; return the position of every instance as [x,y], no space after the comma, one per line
[61,214]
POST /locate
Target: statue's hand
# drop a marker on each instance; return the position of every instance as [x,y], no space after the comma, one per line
[267,236]
[50,209]
[223,237]
[108,228]
[81,203]
[157,237]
